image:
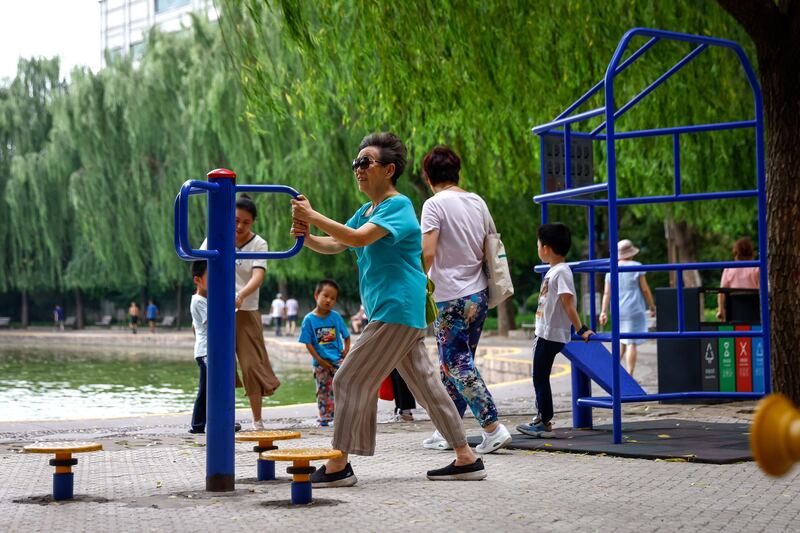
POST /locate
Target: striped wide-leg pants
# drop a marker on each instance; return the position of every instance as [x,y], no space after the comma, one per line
[380,348]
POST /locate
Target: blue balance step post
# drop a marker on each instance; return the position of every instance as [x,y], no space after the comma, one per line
[301,492]
[266,470]
[63,485]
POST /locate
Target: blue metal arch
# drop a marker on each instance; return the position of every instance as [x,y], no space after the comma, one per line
[569,195]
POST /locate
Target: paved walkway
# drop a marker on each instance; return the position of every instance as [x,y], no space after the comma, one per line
[150,477]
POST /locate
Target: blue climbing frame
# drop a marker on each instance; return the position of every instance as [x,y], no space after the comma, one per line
[221,255]
[561,126]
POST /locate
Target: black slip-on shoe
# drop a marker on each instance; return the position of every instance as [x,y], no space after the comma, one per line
[196,431]
[451,472]
[237,427]
[320,479]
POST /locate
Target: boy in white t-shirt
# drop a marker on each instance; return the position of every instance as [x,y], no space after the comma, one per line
[199,310]
[278,312]
[554,316]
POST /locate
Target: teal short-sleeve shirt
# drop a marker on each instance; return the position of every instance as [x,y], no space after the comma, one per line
[390,270]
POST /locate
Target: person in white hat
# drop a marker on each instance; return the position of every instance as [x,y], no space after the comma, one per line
[633,291]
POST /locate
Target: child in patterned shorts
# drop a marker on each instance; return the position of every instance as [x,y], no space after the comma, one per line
[327,339]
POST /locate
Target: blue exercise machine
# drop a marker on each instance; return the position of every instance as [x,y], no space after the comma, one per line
[592,361]
[221,256]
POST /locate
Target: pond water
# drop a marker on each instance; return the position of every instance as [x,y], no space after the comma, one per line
[50,384]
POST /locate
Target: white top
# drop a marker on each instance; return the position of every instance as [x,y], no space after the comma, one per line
[278,306]
[292,307]
[245,267]
[552,321]
[199,310]
[457,268]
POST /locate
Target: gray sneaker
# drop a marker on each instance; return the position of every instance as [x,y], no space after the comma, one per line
[537,428]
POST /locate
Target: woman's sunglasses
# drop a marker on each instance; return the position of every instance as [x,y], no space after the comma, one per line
[364,163]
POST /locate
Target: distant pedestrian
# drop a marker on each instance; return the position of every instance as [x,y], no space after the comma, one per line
[292,306]
[152,313]
[133,316]
[278,311]
[359,320]
[327,340]
[58,317]
[633,293]
[738,278]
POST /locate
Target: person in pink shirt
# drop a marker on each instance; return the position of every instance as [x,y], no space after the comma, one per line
[738,278]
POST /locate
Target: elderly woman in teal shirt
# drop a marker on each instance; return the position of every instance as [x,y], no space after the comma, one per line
[385,236]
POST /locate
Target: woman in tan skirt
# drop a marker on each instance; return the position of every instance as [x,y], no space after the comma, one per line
[259,379]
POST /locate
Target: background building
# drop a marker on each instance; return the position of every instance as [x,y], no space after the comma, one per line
[124,23]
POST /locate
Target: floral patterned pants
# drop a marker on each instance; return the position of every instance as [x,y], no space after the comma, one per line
[324,378]
[458,330]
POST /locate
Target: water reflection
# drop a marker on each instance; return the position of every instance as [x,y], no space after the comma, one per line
[47,384]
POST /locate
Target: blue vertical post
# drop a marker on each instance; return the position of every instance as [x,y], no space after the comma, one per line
[676,162]
[581,384]
[221,333]
[613,238]
[543,181]
[762,228]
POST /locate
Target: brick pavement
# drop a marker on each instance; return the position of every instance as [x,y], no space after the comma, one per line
[156,483]
[150,477]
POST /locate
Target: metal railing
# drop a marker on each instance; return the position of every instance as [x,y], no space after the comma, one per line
[582,416]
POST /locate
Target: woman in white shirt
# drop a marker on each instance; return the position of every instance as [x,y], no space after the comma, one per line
[454,226]
[259,379]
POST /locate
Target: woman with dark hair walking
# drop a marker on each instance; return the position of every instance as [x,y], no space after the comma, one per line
[454,225]
[385,236]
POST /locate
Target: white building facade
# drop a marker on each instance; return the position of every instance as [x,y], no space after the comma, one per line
[124,23]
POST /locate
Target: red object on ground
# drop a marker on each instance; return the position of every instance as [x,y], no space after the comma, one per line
[386,392]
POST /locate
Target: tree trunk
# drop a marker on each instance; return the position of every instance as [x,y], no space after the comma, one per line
[23,314]
[681,248]
[775,30]
[78,309]
[178,307]
[143,304]
[283,288]
[506,318]
[780,77]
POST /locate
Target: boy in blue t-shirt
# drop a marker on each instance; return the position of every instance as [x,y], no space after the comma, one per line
[322,332]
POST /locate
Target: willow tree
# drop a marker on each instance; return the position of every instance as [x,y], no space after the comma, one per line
[25,122]
[441,72]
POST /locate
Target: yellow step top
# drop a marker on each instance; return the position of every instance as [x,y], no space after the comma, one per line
[278,434]
[300,454]
[63,447]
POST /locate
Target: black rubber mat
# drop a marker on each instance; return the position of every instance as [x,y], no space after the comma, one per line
[702,442]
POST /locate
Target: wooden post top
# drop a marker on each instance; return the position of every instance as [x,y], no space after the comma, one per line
[63,447]
[278,434]
[301,454]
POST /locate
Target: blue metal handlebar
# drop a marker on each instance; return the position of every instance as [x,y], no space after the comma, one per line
[182,246]
[298,243]
[181,215]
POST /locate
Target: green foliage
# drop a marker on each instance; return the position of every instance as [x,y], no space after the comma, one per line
[286,90]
